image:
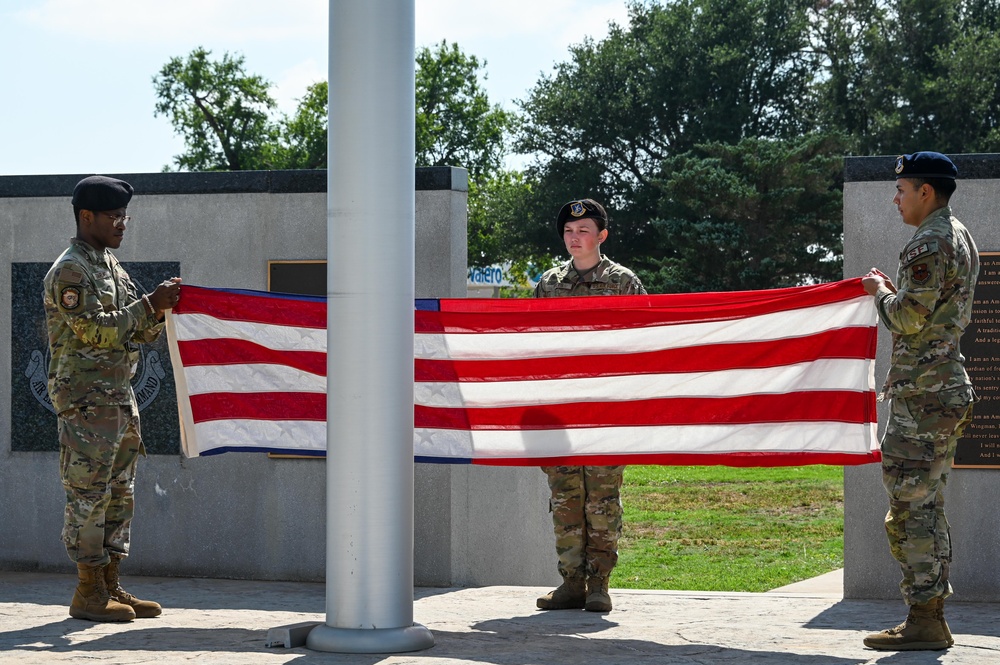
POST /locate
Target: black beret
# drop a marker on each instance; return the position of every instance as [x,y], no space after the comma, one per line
[99,192]
[925,165]
[582,209]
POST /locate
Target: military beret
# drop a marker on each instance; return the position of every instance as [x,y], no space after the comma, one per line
[925,165]
[99,192]
[582,209]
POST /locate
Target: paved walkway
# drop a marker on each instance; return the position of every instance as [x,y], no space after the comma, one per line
[227,622]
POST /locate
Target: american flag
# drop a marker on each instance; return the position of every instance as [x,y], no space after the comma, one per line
[750,378]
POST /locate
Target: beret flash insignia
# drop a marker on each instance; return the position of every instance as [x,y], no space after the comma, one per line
[70,297]
[899,164]
[577,209]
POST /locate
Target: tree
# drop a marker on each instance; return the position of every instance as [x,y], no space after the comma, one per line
[758,214]
[303,138]
[224,115]
[911,74]
[608,122]
[222,112]
[456,125]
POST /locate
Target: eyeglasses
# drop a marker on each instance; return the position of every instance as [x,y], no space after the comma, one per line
[118,220]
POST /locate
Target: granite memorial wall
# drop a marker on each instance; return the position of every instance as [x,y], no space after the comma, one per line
[238,515]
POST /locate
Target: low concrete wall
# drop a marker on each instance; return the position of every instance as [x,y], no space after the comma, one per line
[248,515]
[874,234]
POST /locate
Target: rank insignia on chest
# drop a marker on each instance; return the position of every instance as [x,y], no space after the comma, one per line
[70,297]
[920,273]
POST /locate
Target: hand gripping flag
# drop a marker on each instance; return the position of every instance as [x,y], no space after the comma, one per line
[750,378]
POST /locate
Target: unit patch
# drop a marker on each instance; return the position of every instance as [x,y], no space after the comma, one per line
[920,273]
[70,298]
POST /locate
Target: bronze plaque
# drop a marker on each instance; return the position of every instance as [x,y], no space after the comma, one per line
[979,447]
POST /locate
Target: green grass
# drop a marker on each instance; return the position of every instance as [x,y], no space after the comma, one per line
[725,529]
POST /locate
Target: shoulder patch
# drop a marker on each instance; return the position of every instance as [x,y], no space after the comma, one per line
[69,275]
[918,250]
[70,298]
[920,273]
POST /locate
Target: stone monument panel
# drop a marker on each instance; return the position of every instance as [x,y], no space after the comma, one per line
[33,421]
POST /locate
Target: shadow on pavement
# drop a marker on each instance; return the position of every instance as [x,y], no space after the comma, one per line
[527,640]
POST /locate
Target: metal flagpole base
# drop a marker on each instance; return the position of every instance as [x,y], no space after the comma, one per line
[369,640]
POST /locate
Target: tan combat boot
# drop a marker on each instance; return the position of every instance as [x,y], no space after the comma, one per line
[570,595]
[144,609]
[924,630]
[92,600]
[598,598]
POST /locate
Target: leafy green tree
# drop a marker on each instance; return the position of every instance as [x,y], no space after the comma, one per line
[608,122]
[855,58]
[758,214]
[222,112]
[456,125]
[224,115]
[303,137]
[906,75]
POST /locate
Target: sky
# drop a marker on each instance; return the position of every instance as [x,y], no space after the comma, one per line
[77,74]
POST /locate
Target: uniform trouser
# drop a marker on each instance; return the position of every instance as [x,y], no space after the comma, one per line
[917,453]
[587,517]
[98,450]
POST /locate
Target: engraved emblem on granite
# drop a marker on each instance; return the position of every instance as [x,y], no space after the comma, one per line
[33,421]
[146,386]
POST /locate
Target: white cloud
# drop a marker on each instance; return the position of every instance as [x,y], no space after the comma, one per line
[134,21]
[592,21]
[292,83]
[461,20]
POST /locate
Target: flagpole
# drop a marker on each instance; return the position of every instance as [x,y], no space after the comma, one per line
[370,288]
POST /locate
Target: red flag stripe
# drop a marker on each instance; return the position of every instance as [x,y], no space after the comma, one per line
[258,406]
[246,306]
[747,459]
[818,406]
[845,343]
[588,313]
[204,352]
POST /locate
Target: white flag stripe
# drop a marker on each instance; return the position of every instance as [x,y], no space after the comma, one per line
[280,338]
[251,378]
[777,325]
[826,374]
[266,434]
[823,437]
[190,444]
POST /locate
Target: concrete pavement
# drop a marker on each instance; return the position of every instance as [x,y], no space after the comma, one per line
[226,622]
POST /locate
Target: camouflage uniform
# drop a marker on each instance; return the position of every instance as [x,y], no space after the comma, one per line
[586,502]
[931,396]
[95,318]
